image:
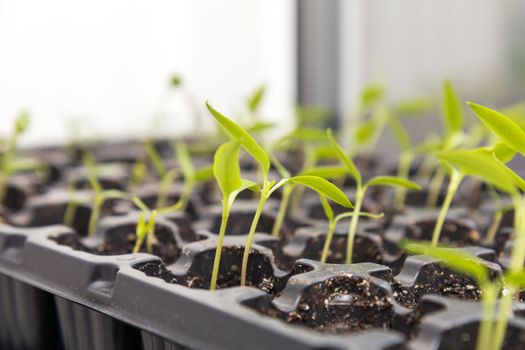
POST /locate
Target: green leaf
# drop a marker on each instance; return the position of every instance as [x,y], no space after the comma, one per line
[184,159]
[452,110]
[243,138]
[516,179]
[343,157]
[392,181]
[456,259]
[140,204]
[245,185]
[504,127]
[307,134]
[516,279]
[481,163]
[21,123]
[141,229]
[156,159]
[323,187]
[204,174]
[415,107]
[90,165]
[503,152]
[328,211]
[399,133]
[365,131]
[226,167]
[255,100]
[327,172]
[371,95]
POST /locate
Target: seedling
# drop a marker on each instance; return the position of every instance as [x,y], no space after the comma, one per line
[167,177]
[453,121]
[8,152]
[333,220]
[353,171]
[227,172]
[100,195]
[267,187]
[513,136]
[145,229]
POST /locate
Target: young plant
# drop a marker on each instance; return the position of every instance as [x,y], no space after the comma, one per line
[472,266]
[167,177]
[267,188]
[513,136]
[453,121]
[333,220]
[352,171]
[145,229]
[8,152]
[227,172]
[100,195]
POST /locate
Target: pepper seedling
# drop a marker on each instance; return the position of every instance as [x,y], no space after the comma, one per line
[452,113]
[227,172]
[8,152]
[166,176]
[513,136]
[318,184]
[353,171]
[100,195]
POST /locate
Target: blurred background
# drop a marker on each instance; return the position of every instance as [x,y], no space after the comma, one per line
[102,68]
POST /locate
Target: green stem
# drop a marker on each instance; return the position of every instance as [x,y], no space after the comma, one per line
[253,227]
[494,226]
[485,333]
[516,265]
[165,183]
[435,188]
[329,236]
[150,239]
[218,250]
[425,170]
[403,172]
[69,215]
[353,224]
[455,180]
[283,208]
[95,213]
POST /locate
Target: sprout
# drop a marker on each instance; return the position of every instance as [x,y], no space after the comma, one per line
[352,170]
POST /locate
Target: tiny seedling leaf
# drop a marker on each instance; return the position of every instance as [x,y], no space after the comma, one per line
[260,127]
[371,95]
[245,185]
[480,162]
[22,123]
[344,158]
[415,107]
[323,187]
[452,110]
[204,174]
[226,167]
[503,152]
[504,127]
[392,181]
[365,131]
[399,133]
[255,99]
[238,134]
[454,258]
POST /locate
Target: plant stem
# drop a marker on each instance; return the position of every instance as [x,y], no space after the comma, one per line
[218,250]
[435,188]
[248,245]
[69,215]
[516,265]
[283,208]
[494,226]
[485,332]
[328,241]
[150,239]
[165,183]
[95,213]
[455,180]
[425,170]
[353,224]
[403,172]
